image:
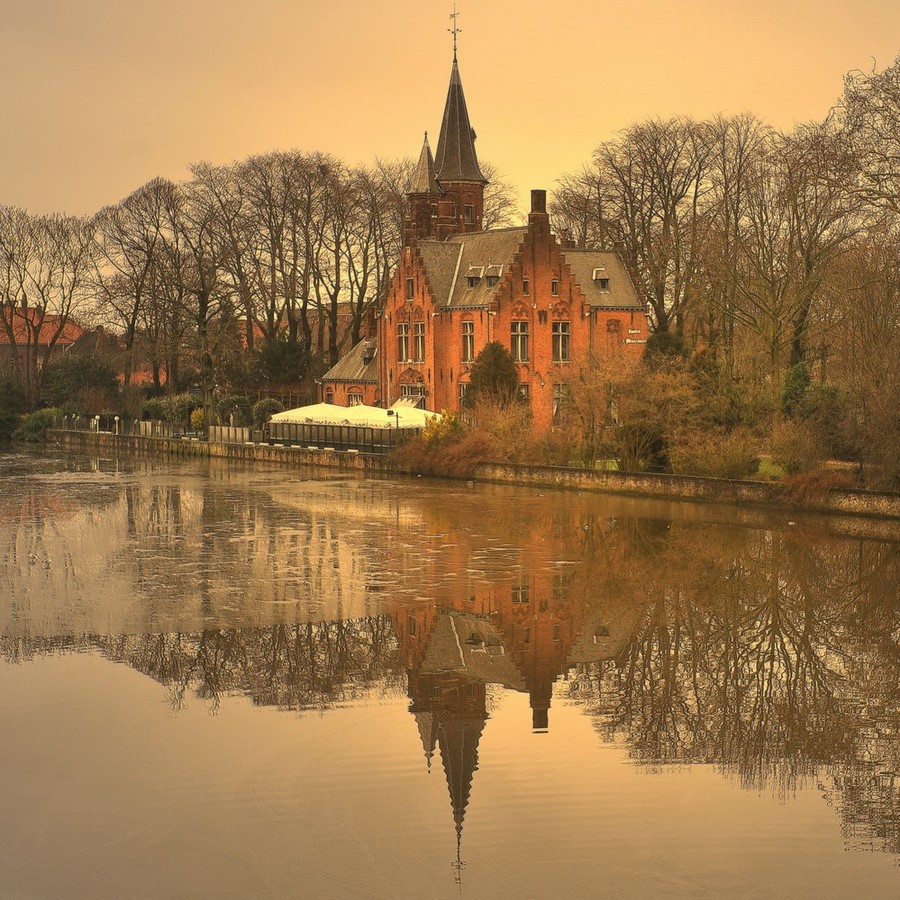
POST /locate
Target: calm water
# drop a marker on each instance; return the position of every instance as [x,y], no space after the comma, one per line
[256,683]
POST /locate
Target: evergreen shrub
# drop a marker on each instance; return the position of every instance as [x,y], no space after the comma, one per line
[264,409]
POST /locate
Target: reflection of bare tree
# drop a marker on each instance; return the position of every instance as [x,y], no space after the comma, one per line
[303,666]
[777,661]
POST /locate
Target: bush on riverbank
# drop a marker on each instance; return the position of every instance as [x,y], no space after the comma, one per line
[34,426]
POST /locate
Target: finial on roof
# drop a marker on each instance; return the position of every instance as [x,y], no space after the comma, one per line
[455,30]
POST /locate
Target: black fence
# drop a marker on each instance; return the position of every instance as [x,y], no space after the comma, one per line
[320,437]
[338,437]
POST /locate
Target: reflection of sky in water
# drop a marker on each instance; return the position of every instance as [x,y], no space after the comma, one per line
[525,648]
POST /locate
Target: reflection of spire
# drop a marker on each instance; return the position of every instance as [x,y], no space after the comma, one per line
[425,721]
[458,742]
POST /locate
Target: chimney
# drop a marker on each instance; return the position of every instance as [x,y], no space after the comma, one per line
[538,218]
[565,241]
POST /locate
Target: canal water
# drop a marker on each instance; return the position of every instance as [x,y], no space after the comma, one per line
[249,682]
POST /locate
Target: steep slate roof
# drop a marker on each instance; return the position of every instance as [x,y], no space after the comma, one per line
[422,181]
[448,265]
[440,259]
[352,366]
[455,159]
[621,293]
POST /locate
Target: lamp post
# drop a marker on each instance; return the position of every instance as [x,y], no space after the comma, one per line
[396,415]
[117,425]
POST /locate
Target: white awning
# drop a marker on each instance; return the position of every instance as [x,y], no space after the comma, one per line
[399,416]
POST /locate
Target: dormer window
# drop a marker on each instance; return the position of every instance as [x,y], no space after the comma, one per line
[473,281]
[494,274]
[475,275]
[492,280]
[601,279]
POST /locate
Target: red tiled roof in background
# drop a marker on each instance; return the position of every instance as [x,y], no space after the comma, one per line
[25,321]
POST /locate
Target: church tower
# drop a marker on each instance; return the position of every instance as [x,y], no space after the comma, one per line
[446,192]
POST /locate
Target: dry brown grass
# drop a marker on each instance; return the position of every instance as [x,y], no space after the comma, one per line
[813,486]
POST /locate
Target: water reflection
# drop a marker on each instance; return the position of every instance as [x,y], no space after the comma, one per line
[771,653]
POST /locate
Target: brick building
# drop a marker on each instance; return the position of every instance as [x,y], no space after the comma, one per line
[458,287]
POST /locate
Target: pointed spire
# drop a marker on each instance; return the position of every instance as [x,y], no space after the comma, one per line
[456,159]
[422,181]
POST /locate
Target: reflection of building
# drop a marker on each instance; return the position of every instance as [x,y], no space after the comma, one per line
[520,637]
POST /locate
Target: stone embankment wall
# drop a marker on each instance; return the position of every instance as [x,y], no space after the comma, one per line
[688,487]
[667,487]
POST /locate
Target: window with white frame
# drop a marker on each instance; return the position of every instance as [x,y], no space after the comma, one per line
[413,392]
[419,342]
[403,342]
[354,399]
[468,342]
[560,342]
[560,402]
[519,341]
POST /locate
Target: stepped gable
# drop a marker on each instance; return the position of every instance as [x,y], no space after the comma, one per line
[456,159]
[620,294]
[358,366]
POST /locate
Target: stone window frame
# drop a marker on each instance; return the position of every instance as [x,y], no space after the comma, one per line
[410,289]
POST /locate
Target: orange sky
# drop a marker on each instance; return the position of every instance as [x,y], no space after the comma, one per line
[99,96]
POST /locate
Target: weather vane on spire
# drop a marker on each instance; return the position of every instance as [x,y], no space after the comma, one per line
[455,30]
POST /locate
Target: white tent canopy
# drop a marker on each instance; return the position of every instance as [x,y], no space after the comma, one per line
[401,415]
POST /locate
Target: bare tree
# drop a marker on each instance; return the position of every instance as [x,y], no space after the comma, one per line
[645,193]
[45,263]
[869,114]
[129,235]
